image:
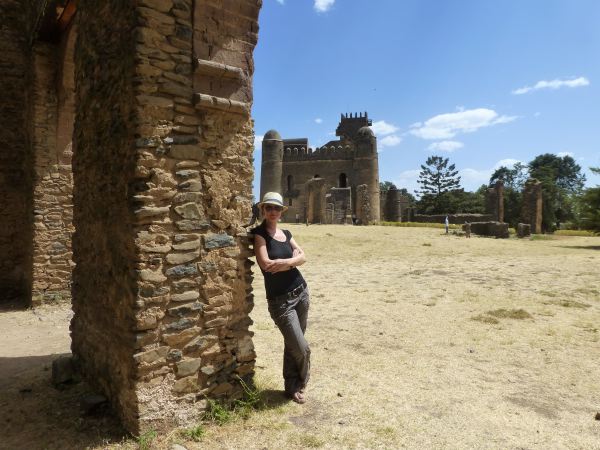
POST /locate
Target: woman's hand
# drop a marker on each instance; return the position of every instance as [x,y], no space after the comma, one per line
[277,265]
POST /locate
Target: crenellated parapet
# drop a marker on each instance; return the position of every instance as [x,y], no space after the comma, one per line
[326,152]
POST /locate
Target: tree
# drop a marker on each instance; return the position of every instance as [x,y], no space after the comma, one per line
[411,198]
[513,178]
[436,178]
[385,186]
[562,181]
[590,206]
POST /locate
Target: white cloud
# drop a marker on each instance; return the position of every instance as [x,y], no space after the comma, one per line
[563,154]
[445,146]
[446,126]
[471,179]
[281,2]
[318,120]
[553,84]
[389,141]
[323,5]
[381,128]
[408,180]
[258,138]
[508,163]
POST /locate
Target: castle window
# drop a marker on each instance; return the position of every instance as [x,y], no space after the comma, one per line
[290,182]
[290,201]
[343,181]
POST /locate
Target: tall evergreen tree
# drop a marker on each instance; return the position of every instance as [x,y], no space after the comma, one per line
[437,177]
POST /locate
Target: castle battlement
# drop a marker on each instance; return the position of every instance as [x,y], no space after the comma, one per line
[326,152]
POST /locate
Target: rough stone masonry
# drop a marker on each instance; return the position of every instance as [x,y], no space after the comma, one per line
[161,158]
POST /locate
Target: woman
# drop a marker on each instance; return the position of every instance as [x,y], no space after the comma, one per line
[278,255]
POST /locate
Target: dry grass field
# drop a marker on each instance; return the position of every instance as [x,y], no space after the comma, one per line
[419,340]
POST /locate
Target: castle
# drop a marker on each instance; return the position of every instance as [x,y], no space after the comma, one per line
[336,183]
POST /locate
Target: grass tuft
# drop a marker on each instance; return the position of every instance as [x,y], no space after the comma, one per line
[195,433]
[517,314]
[585,233]
[144,441]
[485,319]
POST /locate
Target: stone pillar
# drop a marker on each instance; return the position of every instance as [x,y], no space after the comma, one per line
[162,169]
[364,212]
[392,206]
[531,210]
[16,158]
[495,201]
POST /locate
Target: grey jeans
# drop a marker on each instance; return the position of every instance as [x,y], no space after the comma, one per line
[290,316]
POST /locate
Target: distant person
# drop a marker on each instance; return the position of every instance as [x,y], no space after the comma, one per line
[467,229]
[297,218]
[278,256]
[446,224]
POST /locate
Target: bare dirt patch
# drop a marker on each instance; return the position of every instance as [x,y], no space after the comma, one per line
[397,359]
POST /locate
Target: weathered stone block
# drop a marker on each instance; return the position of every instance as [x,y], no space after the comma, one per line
[188,367]
[213,241]
[190,211]
[182,271]
[183,310]
[185,297]
[151,356]
[182,258]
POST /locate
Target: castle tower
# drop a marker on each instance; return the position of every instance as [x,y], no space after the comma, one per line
[272,160]
[366,169]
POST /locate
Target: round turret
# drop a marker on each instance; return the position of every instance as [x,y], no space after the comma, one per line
[365,132]
[272,135]
[272,160]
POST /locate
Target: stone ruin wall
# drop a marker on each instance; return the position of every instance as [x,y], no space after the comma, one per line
[16,176]
[53,115]
[531,208]
[453,218]
[304,170]
[162,282]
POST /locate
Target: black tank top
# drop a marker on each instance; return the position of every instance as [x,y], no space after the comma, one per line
[281,282]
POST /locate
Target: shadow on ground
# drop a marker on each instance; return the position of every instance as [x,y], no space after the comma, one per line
[36,415]
[582,247]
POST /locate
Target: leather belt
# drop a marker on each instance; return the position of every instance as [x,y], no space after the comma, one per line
[293,293]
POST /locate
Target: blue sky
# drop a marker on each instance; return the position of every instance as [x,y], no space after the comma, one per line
[483,82]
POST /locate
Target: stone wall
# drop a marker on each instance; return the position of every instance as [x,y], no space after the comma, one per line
[162,283]
[531,209]
[494,201]
[453,218]
[53,109]
[16,175]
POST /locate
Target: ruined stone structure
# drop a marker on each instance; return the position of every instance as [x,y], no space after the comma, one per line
[495,201]
[452,218]
[146,168]
[308,178]
[394,206]
[531,210]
